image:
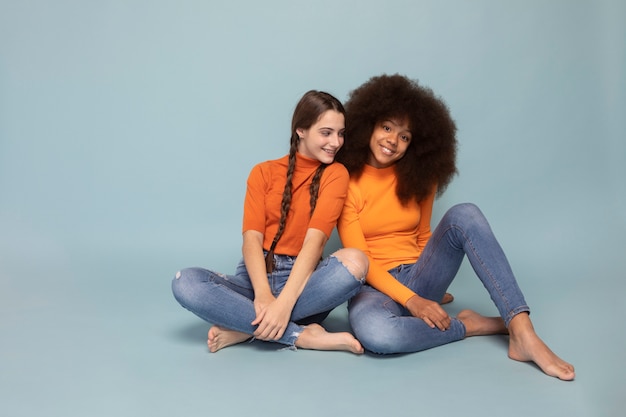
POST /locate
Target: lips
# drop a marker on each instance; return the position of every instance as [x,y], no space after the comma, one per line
[386,150]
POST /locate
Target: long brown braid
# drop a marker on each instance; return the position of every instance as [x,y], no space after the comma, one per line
[307,112]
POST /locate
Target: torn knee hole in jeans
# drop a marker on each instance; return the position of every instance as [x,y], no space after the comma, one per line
[353,267]
[178,275]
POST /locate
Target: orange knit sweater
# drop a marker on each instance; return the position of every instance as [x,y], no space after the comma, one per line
[374,220]
[264,194]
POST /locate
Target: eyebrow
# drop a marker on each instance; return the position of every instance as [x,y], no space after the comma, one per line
[395,124]
[331,128]
[391,121]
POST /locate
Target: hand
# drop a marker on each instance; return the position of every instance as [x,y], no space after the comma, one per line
[429,311]
[262,301]
[272,320]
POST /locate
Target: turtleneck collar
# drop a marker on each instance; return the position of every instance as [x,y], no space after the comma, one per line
[379,172]
[306,162]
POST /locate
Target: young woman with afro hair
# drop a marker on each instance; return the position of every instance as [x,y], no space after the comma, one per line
[400,153]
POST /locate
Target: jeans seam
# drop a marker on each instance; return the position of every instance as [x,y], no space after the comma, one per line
[494,282]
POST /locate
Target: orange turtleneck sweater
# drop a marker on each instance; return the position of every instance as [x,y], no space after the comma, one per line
[374,220]
[266,182]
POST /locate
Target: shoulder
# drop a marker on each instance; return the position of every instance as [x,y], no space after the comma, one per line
[273,163]
[336,170]
[266,168]
[335,175]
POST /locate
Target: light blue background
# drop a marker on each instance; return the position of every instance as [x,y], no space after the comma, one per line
[127,130]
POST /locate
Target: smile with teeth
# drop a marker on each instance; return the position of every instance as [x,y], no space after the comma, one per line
[386,150]
[329,151]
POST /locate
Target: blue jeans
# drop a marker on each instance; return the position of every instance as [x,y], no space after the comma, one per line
[384,326]
[228,300]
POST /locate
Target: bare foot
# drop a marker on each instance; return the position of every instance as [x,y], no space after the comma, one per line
[477,325]
[526,346]
[447,298]
[316,337]
[220,337]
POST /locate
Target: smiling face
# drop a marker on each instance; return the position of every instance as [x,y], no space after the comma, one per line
[324,138]
[389,142]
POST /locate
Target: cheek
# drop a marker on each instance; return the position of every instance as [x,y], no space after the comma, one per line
[373,142]
[402,152]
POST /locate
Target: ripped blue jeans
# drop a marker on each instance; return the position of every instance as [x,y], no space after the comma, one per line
[228,300]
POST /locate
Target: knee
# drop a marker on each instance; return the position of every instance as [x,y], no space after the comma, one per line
[354,260]
[465,214]
[465,209]
[183,283]
[375,334]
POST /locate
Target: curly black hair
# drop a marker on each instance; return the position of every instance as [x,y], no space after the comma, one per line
[430,159]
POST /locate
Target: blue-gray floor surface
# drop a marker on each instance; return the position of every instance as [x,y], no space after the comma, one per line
[86,335]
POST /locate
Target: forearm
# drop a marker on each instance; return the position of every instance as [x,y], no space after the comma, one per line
[305,264]
[386,283]
[254,259]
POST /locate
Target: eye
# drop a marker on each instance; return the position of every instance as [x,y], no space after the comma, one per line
[386,128]
[342,134]
[405,138]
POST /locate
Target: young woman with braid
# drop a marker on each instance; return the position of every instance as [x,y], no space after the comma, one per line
[281,288]
[401,154]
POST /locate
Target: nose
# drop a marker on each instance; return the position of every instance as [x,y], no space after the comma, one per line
[392,138]
[336,140]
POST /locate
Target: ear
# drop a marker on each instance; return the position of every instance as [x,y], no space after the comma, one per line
[300,132]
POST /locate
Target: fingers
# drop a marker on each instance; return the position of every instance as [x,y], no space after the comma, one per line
[427,321]
[443,319]
[429,311]
[263,331]
[443,324]
[259,318]
[269,332]
[438,319]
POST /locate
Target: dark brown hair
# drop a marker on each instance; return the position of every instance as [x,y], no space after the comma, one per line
[430,158]
[307,112]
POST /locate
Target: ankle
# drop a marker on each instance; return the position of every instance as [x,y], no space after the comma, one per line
[521,325]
